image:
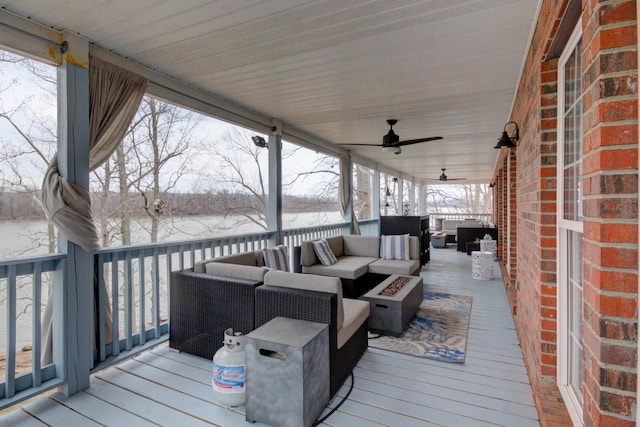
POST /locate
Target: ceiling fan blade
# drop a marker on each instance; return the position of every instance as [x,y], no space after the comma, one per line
[415,141]
[361,145]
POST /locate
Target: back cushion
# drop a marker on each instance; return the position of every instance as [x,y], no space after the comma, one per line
[394,246]
[336,244]
[368,246]
[236,271]
[310,282]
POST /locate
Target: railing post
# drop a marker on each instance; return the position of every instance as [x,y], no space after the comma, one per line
[73,295]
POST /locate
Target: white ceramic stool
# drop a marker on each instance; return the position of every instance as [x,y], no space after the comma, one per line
[482,265]
[487,245]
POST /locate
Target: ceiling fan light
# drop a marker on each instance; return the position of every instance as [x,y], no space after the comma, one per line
[394,150]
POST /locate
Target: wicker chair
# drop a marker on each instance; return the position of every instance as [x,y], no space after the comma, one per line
[203,306]
[314,306]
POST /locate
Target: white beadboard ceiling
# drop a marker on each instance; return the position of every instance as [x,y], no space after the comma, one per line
[336,69]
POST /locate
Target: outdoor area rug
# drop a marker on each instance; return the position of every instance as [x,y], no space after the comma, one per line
[438,330]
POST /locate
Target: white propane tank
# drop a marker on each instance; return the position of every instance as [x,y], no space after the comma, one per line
[228,370]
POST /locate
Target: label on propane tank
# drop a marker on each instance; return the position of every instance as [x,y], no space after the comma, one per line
[227,379]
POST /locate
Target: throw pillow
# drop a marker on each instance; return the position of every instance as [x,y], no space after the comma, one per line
[276,258]
[394,246]
[324,252]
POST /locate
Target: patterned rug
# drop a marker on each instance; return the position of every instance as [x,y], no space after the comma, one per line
[438,330]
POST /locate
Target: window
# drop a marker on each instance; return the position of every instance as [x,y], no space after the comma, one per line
[570,227]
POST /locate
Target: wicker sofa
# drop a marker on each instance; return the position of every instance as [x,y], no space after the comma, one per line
[318,299]
[359,264]
[212,296]
[239,292]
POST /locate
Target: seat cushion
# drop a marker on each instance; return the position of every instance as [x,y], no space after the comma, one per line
[395,266]
[356,312]
[347,267]
[309,282]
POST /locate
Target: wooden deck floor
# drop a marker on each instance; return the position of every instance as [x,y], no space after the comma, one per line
[491,388]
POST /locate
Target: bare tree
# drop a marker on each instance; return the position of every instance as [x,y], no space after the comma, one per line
[30,137]
[152,161]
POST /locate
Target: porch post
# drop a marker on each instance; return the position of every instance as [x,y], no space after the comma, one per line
[400,200]
[412,197]
[73,297]
[274,215]
[375,194]
[421,206]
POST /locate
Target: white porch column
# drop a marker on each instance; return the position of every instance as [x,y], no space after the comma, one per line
[412,197]
[274,215]
[375,194]
[73,296]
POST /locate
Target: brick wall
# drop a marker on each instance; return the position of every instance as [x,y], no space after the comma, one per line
[610,166]
[610,186]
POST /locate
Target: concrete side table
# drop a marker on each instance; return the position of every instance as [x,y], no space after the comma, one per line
[287,372]
[482,265]
[487,245]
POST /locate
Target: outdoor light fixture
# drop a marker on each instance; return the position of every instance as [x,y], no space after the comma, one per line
[507,141]
[491,185]
[259,141]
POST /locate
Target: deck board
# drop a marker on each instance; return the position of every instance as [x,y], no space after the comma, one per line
[491,388]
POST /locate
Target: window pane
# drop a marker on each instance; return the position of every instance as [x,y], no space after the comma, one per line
[576,311]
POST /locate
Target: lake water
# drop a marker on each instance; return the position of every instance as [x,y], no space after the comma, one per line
[17,239]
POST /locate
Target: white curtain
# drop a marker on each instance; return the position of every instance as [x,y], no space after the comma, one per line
[114,97]
[345,193]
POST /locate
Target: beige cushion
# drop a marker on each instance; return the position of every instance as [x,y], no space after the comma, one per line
[356,312]
[347,267]
[236,271]
[307,254]
[253,258]
[365,246]
[310,282]
[336,243]
[394,266]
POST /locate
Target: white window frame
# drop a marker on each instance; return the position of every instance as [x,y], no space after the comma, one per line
[574,406]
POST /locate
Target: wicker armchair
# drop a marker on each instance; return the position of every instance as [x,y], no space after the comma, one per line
[203,306]
[321,307]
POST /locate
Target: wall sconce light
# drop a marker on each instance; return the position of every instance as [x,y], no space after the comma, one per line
[491,185]
[259,141]
[507,141]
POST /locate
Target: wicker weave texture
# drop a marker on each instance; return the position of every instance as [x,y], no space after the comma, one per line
[204,306]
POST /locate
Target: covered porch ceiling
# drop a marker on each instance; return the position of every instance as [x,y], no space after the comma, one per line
[334,69]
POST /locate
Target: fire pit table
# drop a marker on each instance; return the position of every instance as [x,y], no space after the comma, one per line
[393,304]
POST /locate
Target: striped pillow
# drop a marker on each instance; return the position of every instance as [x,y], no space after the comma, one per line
[394,246]
[276,258]
[324,252]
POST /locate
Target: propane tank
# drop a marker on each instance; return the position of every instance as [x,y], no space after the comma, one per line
[228,370]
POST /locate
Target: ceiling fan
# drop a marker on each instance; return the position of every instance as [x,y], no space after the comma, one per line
[391,141]
[444,177]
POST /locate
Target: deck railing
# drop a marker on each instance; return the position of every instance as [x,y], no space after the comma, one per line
[132,297]
[23,281]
